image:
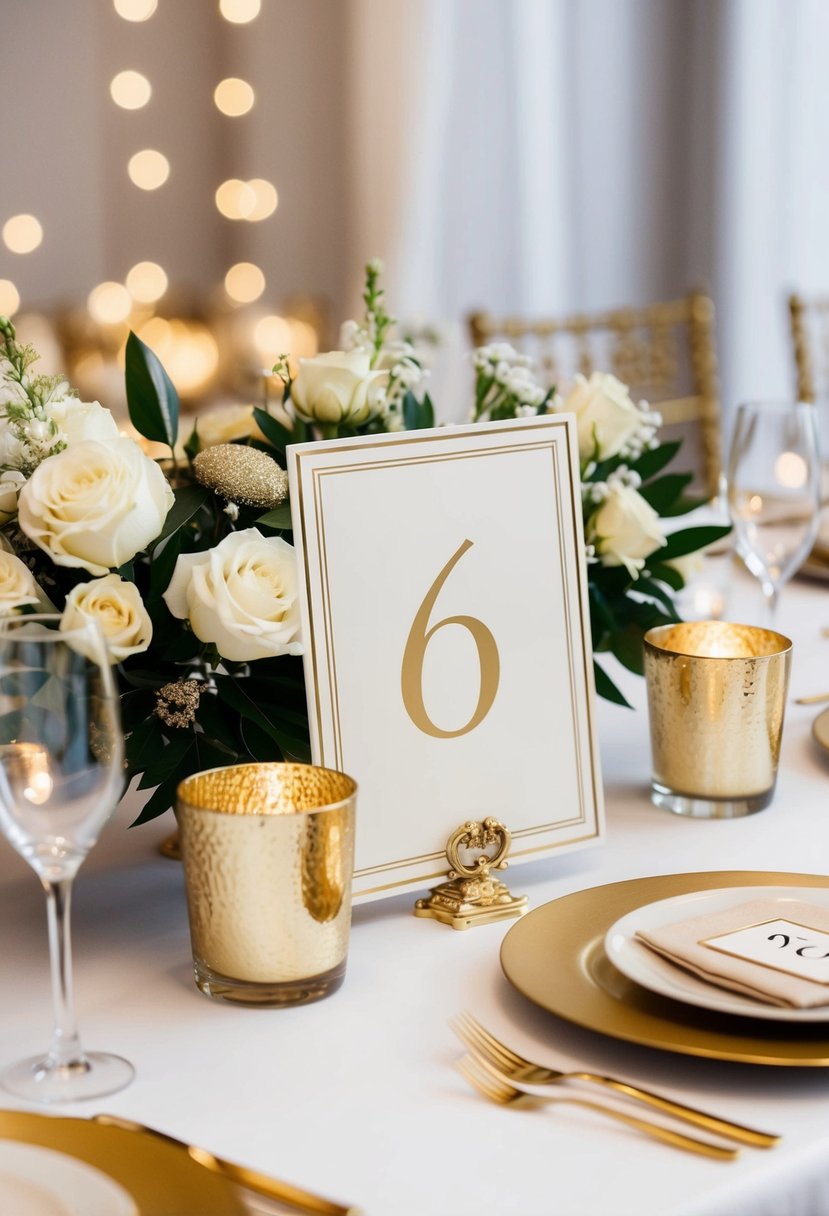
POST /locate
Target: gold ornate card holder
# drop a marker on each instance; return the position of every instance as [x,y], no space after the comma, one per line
[472,896]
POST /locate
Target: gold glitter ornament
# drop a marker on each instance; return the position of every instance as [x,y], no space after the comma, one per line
[176,704]
[242,474]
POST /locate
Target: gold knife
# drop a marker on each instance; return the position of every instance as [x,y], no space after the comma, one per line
[284,1192]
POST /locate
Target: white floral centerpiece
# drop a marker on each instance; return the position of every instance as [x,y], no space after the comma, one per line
[187,563]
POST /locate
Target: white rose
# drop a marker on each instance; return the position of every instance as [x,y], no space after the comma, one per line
[81,420]
[119,610]
[242,596]
[95,505]
[606,417]
[11,483]
[17,584]
[225,424]
[625,529]
[337,387]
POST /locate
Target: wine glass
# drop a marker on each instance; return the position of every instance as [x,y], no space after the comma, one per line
[774,491]
[61,775]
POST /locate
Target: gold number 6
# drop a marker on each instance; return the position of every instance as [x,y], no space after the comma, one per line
[411,675]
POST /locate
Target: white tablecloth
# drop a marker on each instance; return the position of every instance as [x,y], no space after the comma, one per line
[356,1096]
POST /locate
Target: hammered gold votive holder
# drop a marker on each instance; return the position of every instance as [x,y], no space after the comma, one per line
[268,853]
[716,699]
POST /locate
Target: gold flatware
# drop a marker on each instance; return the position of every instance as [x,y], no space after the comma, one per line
[817,699]
[516,1068]
[284,1192]
[493,1086]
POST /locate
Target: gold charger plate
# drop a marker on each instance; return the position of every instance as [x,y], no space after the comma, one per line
[161,1178]
[555,957]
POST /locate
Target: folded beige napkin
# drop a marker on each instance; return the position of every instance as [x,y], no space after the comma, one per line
[680,943]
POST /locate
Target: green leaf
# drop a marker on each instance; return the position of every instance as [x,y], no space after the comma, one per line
[647,586]
[280,517]
[626,645]
[163,564]
[688,541]
[273,430]
[666,574]
[162,800]
[664,491]
[127,571]
[654,461]
[607,689]
[151,396]
[417,415]
[193,445]
[234,694]
[684,505]
[189,500]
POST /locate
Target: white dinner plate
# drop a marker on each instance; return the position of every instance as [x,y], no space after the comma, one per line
[644,966]
[36,1181]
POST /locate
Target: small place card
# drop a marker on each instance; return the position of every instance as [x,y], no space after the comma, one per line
[781,944]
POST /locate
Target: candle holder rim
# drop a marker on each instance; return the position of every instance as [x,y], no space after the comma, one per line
[651,641]
[183,801]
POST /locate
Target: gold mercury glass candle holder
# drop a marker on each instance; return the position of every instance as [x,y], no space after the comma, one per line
[716,698]
[268,853]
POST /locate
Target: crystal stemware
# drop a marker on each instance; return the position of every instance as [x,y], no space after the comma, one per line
[774,491]
[61,775]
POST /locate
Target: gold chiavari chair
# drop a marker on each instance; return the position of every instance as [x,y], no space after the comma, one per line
[665,352]
[809,327]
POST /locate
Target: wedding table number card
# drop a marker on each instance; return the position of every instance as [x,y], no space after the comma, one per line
[447,638]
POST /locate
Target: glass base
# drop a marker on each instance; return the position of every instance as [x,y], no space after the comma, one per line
[268,994]
[696,807]
[93,1076]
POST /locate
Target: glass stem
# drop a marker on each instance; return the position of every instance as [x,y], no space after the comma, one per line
[66,1046]
[772,596]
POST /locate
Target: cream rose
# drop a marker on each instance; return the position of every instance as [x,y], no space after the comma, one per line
[625,529]
[337,387]
[17,584]
[241,595]
[606,417]
[11,483]
[119,610]
[81,420]
[95,505]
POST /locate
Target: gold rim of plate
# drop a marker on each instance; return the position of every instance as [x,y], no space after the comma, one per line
[555,957]
[160,1178]
[820,729]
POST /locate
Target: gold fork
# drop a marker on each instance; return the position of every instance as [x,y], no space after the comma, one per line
[516,1068]
[493,1086]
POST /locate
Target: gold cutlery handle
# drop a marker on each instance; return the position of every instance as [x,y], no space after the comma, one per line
[817,699]
[284,1192]
[724,1127]
[656,1130]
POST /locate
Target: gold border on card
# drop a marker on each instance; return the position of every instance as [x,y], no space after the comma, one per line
[556,423]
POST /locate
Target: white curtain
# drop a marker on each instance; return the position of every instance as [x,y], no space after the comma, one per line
[545,156]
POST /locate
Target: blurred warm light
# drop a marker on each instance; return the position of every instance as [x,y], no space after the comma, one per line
[147,282]
[148,169]
[22,233]
[304,339]
[791,470]
[235,199]
[265,199]
[239,11]
[187,349]
[130,90]
[9,298]
[233,97]
[109,303]
[271,337]
[135,10]
[244,282]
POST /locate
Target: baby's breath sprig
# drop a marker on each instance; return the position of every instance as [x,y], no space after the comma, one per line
[377,320]
[32,391]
